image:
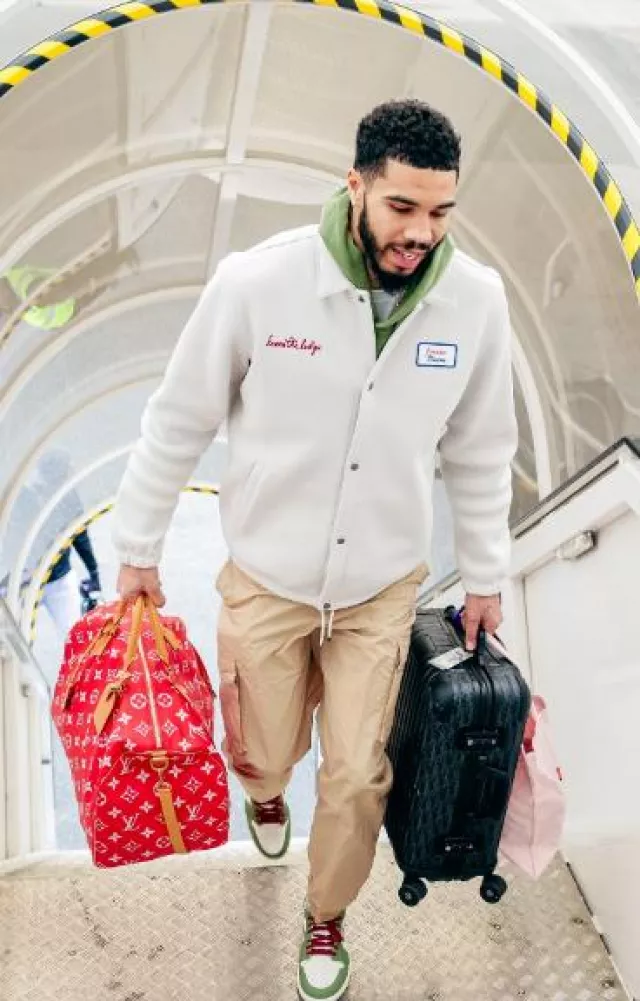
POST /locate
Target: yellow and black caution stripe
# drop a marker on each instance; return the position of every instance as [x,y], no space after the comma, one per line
[44,573]
[106,21]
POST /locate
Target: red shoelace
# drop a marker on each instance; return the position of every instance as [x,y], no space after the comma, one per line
[272,812]
[323,937]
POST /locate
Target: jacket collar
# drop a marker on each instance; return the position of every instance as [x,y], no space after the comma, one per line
[331,279]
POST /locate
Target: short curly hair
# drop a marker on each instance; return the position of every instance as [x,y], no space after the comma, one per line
[409,131]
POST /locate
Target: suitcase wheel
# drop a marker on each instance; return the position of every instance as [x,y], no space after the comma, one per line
[493,888]
[412,892]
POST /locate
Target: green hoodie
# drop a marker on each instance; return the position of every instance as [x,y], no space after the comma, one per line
[335,231]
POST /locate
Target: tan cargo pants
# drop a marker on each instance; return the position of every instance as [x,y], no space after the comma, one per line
[270,649]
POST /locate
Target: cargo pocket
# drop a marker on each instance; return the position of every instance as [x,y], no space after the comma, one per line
[229,692]
[231,717]
[389,710]
[234,745]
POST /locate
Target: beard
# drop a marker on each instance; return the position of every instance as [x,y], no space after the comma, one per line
[389,281]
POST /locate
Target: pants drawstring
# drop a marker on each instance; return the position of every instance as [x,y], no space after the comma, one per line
[326,624]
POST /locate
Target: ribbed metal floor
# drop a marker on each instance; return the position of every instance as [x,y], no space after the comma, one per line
[221,928]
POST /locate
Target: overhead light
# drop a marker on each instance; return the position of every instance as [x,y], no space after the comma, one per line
[578,546]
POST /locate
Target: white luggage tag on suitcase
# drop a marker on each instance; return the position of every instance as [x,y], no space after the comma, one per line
[451,658]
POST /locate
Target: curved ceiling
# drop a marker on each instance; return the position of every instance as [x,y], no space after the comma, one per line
[139,149]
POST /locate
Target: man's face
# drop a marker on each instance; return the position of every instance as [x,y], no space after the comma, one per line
[399,218]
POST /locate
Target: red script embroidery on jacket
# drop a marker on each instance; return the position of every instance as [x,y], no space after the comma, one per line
[294,344]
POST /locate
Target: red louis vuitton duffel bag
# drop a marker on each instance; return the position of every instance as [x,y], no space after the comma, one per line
[134,709]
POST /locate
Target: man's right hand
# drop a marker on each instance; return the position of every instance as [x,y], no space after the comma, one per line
[133,581]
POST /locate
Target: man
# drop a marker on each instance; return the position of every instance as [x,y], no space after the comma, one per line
[342,358]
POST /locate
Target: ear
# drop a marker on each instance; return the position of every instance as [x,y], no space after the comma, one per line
[355,184]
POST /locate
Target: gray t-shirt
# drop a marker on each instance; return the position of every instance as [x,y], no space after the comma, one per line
[383,303]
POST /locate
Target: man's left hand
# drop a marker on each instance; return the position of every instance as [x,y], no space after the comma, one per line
[480,611]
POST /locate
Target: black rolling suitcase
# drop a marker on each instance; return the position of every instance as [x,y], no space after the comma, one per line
[454,747]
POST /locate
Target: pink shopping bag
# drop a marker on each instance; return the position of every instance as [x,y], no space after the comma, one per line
[534,822]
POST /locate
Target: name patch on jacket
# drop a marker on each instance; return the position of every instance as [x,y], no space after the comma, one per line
[434,354]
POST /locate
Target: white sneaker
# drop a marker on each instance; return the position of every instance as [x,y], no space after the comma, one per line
[324,965]
[270,826]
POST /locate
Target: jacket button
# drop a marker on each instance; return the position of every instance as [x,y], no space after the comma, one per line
[362,298]
[370,386]
[341,542]
[355,466]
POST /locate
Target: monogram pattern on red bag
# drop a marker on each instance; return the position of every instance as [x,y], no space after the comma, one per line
[158,734]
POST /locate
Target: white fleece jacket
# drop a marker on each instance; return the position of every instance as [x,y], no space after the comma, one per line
[327,495]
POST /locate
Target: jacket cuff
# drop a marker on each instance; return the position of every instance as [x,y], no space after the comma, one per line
[482,588]
[141,557]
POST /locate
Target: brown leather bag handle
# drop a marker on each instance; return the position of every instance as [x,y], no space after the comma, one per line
[158,631]
[143,607]
[135,631]
[161,633]
[164,635]
[111,693]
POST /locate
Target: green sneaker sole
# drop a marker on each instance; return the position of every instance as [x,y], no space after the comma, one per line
[248,809]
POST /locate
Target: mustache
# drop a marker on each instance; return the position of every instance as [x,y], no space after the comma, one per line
[413,245]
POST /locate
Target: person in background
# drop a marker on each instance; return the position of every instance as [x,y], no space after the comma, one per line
[64,599]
